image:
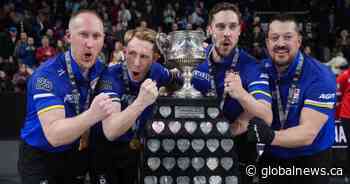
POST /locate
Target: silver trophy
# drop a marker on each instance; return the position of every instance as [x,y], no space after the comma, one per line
[183,49]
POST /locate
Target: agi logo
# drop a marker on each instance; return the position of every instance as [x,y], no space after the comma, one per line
[327,96]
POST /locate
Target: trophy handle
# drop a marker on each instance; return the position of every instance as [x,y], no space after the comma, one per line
[163,44]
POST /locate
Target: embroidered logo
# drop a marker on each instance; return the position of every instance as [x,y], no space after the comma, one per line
[43,83]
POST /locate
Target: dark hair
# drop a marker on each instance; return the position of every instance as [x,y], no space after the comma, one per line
[224,6]
[283,17]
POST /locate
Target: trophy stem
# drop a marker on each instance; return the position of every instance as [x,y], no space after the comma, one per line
[187,90]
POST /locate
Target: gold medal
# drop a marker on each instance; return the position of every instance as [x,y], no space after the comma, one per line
[135,144]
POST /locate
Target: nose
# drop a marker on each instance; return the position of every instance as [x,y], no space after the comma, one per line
[137,61]
[89,42]
[227,32]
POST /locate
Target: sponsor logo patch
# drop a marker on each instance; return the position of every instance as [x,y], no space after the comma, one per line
[43,83]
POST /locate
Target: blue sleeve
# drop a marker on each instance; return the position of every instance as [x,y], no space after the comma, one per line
[321,95]
[201,78]
[257,82]
[160,74]
[43,88]
[111,82]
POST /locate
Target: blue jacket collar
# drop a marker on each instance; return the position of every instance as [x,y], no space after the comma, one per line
[94,72]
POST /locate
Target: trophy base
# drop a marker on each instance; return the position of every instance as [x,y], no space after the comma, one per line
[189,92]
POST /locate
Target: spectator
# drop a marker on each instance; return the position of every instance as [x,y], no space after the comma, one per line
[9,43]
[28,54]
[197,17]
[337,63]
[61,46]
[174,27]
[343,110]
[5,84]
[21,45]
[50,35]
[117,55]
[169,16]
[45,51]
[124,15]
[19,79]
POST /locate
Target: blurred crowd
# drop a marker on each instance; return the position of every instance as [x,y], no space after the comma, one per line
[33,30]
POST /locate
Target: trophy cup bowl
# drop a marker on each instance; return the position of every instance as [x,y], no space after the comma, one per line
[184,50]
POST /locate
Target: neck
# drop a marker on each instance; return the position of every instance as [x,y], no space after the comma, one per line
[84,71]
[281,69]
[215,56]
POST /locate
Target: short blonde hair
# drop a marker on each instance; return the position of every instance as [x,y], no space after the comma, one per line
[144,34]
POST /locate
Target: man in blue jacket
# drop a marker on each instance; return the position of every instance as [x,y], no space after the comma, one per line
[133,85]
[58,107]
[235,77]
[304,94]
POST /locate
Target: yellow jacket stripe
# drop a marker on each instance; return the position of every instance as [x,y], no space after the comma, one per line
[50,108]
[260,92]
[328,105]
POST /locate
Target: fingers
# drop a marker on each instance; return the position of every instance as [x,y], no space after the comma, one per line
[150,86]
[231,78]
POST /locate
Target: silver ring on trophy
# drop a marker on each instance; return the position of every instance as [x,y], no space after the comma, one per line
[183,163]
[168,163]
[165,180]
[150,180]
[226,163]
[215,180]
[174,126]
[222,127]
[231,180]
[183,180]
[206,127]
[213,145]
[190,126]
[153,145]
[168,145]
[158,126]
[227,144]
[183,144]
[199,180]
[212,163]
[198,163]
[213,112]
[165,111]
[153,163]
[198,145]
[183,49]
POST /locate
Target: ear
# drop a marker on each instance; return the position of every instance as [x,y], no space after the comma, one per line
[209,30]
[69,36]
[300,39]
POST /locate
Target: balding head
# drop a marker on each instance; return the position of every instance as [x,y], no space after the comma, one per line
[78,16]
[86,37]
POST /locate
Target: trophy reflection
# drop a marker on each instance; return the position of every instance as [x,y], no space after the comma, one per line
[184,50]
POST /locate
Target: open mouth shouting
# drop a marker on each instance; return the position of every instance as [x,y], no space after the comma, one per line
[136,75]
[87,56]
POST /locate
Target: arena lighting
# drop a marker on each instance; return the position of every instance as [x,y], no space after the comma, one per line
[188,143]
